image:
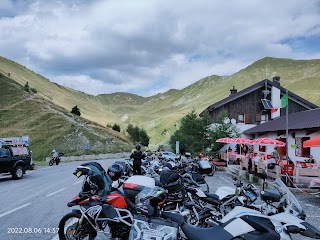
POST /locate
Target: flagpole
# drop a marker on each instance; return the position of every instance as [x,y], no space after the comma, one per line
[287,137]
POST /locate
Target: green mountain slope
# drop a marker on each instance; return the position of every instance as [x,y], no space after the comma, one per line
[48,126]
[160,114]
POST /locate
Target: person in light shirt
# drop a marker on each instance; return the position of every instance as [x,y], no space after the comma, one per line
[256,160]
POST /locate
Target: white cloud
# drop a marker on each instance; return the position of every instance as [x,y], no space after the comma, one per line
[147,46]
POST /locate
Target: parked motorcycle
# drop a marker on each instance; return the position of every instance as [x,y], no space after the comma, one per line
[95,216]
[244,223]
[116,212]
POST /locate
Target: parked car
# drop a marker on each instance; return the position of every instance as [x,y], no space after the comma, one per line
[169,156]
[14,163]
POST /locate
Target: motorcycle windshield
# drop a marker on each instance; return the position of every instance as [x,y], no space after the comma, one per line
[292,201]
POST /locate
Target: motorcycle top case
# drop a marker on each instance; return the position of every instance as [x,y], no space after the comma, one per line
[204,164]
[144,228]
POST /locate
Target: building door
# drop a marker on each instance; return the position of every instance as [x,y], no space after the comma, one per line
[282,150]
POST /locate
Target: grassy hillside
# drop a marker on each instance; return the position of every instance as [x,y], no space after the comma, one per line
[159,114]
[48,126]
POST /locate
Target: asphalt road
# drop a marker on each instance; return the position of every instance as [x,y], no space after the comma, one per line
[37,202]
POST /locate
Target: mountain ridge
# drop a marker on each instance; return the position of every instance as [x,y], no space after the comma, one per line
[160,113]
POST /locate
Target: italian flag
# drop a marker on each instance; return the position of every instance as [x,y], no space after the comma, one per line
[284,103]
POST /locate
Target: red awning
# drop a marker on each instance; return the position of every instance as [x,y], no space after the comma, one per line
[313,142]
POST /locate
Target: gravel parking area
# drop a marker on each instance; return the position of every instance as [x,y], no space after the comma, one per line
[309,203]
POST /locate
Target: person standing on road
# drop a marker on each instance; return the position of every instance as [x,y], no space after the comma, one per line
[137,156]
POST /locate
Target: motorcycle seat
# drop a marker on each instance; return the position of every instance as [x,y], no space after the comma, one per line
[214,201]
[217,231]
[189,204]
[212,195]
[191,232]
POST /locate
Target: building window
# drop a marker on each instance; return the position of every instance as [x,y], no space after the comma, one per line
[300,150]
[262,148]
[247,118]
[240,118]
[258,118]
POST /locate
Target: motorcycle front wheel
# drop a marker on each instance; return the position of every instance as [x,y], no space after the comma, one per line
[51,162]
[69,228]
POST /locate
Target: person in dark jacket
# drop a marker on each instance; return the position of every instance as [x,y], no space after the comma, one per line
[137,157]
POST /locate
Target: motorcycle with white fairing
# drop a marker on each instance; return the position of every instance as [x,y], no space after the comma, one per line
[247,224]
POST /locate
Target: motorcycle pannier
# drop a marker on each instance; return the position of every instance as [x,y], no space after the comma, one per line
[133,185]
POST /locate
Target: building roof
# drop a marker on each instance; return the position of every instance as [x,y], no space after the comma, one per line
[256,86]
[299,120]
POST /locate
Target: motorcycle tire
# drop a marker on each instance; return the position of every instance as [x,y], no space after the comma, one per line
[51,162]
[66,230]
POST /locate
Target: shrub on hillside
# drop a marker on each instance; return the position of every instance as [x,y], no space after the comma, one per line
[33,90]
[75,110]
[116,127]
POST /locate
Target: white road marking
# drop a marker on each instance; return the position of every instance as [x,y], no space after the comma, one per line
[13,210]
[77,182]
[48,195]
[225,180]
[310,205]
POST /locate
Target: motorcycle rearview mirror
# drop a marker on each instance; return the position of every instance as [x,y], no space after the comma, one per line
[237,191]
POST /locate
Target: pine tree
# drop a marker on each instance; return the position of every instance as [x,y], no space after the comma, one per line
[75,110]
[116,127]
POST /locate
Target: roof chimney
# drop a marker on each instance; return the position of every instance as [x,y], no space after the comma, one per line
[233,91]
[276,80]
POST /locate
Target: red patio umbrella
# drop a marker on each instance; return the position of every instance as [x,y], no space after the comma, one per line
[241,140]
[268,141]
[225,140]
[313,142]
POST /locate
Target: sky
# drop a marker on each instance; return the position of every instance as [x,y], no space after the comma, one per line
[150,46]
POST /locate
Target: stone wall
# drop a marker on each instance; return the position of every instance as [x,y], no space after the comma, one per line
[93,157]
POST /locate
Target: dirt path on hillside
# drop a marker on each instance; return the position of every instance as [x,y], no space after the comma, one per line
[72,120]
[17,103]
[13,105]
